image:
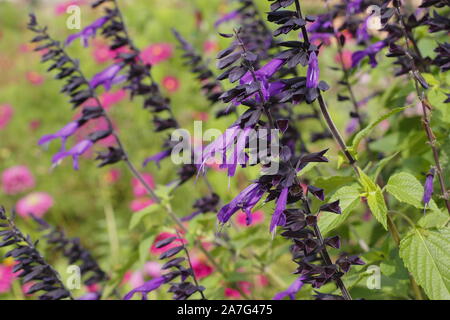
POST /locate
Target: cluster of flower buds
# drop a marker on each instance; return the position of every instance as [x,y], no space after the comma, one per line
[181,290]
[75,253]
[30,264]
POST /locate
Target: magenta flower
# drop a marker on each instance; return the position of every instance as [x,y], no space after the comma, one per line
[63,134]
[6,278]
[88,32]
[428,187]
[370,52]
[146,288]
[107,77]
[153,269]
[140,203]
[36,203]
[138,188]
[17,179]
[278,217]
[312,74]
[244,201]
[76,151]
[6,113]
[257,218]
[156,53]
[292,290]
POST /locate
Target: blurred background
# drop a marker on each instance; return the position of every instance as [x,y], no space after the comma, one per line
[96,204]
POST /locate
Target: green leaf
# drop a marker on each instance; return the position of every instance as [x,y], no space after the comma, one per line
[375,198]
[382,164]
[406,188]
[365,132]
[137,216]
[426,254]
[349,197]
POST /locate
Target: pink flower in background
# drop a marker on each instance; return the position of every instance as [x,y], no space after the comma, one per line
[17,179]
[93,287]
[112,176]
[262,280]
[210,46]
[110,98]
[37,203]
[235,294]
[346,59]
[101,52]
[25,47]
[34,78]
[136,279]
[138,188]
[241,218]
[96,125]
[140,203]
[6,113]
[153,269]
[201,116]
[162,236]
[26,287]
[171,83]
[6,277]
[61,8]
[201,269]
[34,124]
[156,53]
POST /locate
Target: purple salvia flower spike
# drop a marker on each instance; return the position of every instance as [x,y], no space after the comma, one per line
[312,74]
[64,133]
[278,217]
[146,288]
[88,32]
[428,187]
[292,290]
[76,151]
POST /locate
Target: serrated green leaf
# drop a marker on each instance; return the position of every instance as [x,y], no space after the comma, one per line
[377,206]
[137,216]
[406,188]
[365,132]
[348,197]
[375,198]
[426,254]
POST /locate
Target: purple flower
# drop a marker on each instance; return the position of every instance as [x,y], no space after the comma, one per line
[278,217]
[90,296]
[222,144]
[244,201]
[157,157]
[312,74]
[370,52]
[361,33]
[263,75]
[76,151]
[354,6]
[107,77]
[88,32]
[227,17]
[352,126]
[428,187]
[146,288]
[64,133]
[292,290]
